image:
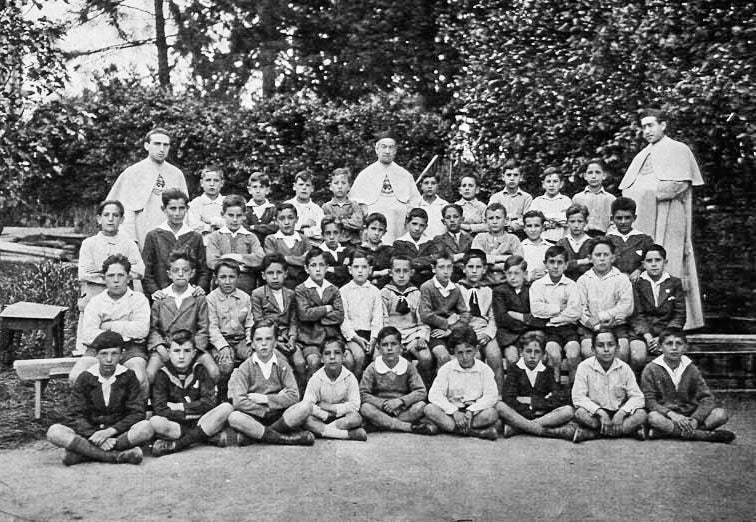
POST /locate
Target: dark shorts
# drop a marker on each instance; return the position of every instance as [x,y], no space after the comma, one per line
[507,338]
[621,332]
[130,351]
[561,334]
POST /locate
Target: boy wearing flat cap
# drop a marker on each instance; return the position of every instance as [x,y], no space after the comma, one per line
[109,411]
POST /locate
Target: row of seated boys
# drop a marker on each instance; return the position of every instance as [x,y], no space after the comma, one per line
[673,400]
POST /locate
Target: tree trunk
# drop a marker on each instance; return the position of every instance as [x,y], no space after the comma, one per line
[164,78]
[267,47]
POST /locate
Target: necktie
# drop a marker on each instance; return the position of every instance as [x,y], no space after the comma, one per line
[402,307]
[474,306]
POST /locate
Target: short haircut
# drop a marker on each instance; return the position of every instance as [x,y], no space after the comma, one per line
[266,322]
[401,257]
[332,339]
[304,176]
[511,164]
[493,207]
[116,259]
[577,208]
[156,130]
[388,331]
[417,213]
[515,261]
[259,177]
[534,214]
[443,254]
[360,254]
[343,171]
[596,161]
[212,168]
[672,332]
[286,206]
[312,254]
[550,171]
[475,253]
[555,251]
[330,220]
[462,335]
[602,240]
[174,194]
[275,257]
[376,216]
[623,203]
[655,248]
[603,331]
[455,206]
[182,336]
[228,263]
[649,112]
[532,336]
[431,175]
[471,176]
[101,206]
[234,200]
[180,254]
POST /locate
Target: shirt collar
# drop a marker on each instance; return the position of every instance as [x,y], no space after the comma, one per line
[170,292]
[564,280]
[448,288]
[183,230]
[399,369]
[334,253]
[106,296]
[236,294]
[519,192]
[454,366]
[205,199]
[664,277]
[464,201]
[596,365]
[611,273]
[225,230]
[408,238]
[293,237]
[309,283]
[588,189]
[265,204]
[95,370]
[539,367]
[615,232]
[324,377]
[273,360]
[527,241]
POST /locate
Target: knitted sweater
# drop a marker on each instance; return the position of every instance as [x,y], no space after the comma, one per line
[400,382]
[691,397]
[280,387]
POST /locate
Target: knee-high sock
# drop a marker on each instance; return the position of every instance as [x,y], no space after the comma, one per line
[192,436]
[82,446]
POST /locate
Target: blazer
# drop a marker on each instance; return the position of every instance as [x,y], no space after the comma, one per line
[265,306]
[166,319]
[649,318]
[315,324]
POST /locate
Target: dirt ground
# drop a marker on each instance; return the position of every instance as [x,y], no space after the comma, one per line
[399,477]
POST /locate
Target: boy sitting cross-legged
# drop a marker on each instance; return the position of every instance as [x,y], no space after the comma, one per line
[265,395]
[392,391]
[108,411]
[463,396]
[183,400]
[533,402]
[169,237]
[363,313]
[334,394]
[275,301]
[179,309]
[401,308]
[290,244]
[233,241]
[678,400]
[606,396]
[479,301]
[659,302]
[442,307]
[230,320]
[320,310]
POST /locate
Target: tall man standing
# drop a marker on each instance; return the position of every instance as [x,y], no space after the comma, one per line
[660,179]
[140,187]
[387,188]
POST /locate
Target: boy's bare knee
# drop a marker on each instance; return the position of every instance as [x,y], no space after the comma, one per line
[511,354]
[717,417]
[59,434]
[656,419]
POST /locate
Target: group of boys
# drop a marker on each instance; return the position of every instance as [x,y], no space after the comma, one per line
[304,297]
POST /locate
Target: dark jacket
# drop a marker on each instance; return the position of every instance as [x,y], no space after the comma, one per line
[158,246]
[649,318]
[196,393]
[545,396]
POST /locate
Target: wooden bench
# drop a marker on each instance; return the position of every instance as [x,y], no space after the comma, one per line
[22,316]
[728,362]
[40,371]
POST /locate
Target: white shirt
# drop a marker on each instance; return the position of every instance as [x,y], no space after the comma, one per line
[259,210]
[278,296]
[677,373]
[532,374]
[289,241]
[309,283]
[399,369]
[243,231]
[576,244]
[423,239]
[445,290]
[170,292]
[106,384]
[183,230]
[265,367]
[655,285]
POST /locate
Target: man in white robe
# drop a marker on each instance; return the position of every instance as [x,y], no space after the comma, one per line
[660,179]
[387,188]
[140,187]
